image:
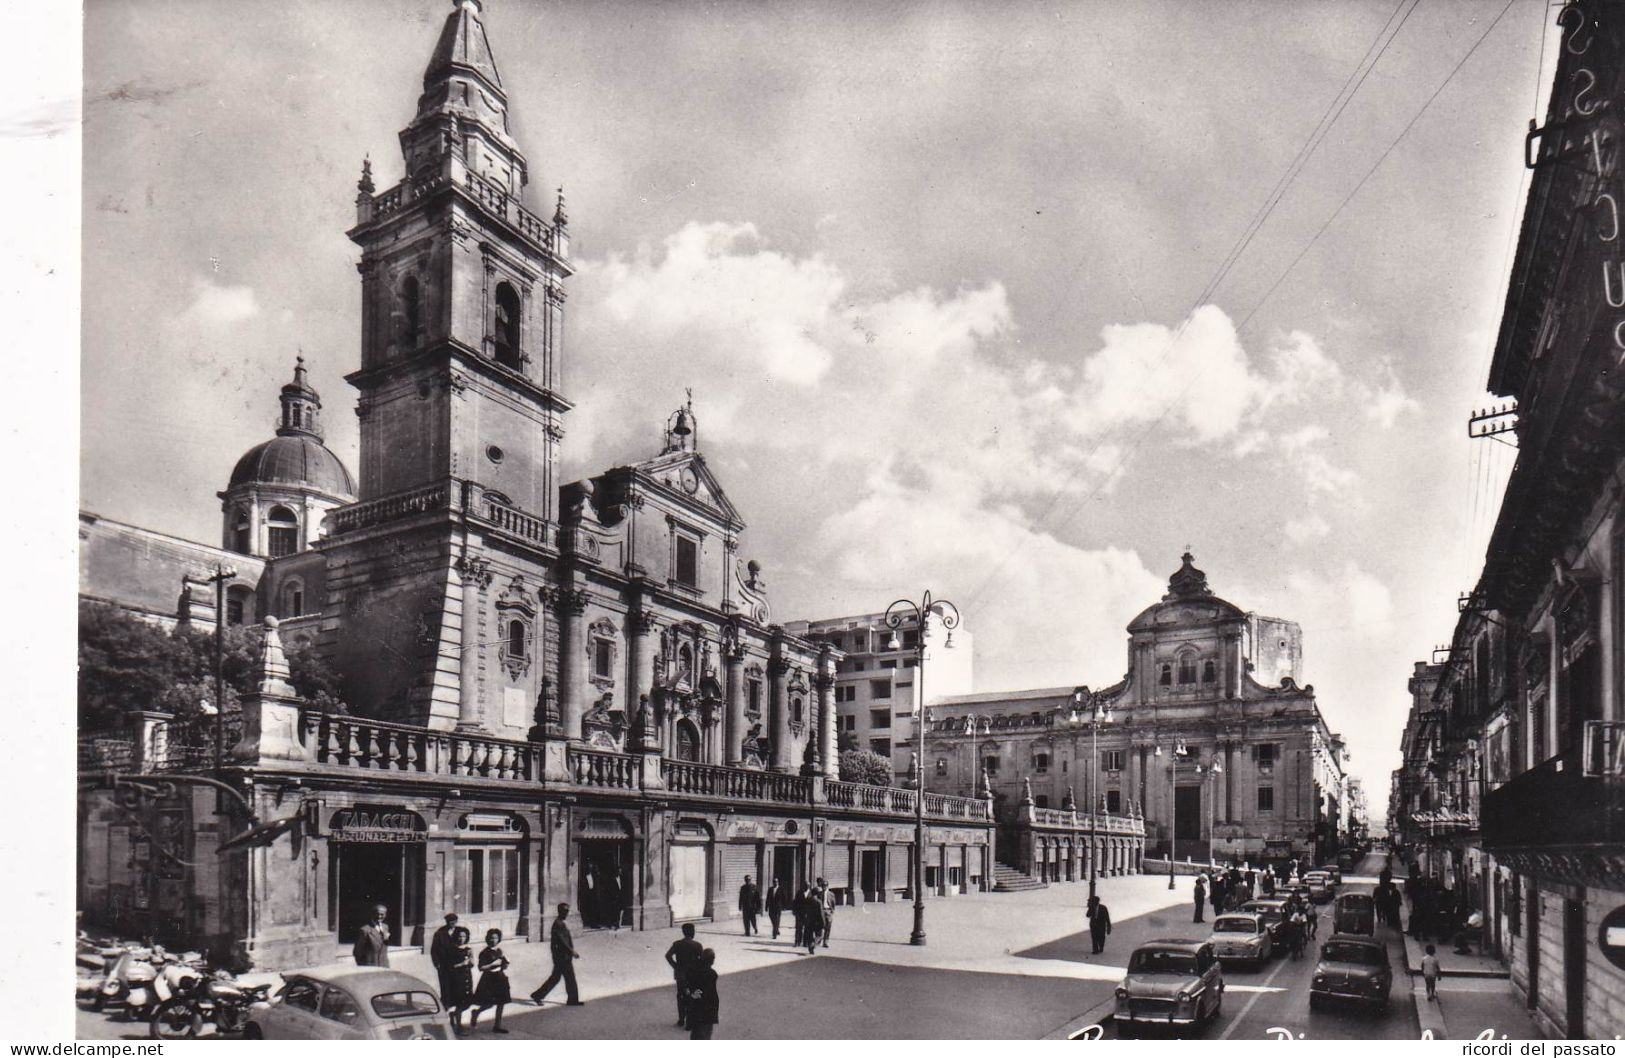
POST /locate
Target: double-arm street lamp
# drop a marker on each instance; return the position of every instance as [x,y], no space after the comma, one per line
[897,614]
[1090,708]
[1173,810]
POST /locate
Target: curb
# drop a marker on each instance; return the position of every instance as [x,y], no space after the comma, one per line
[1405,942]
[1429,1018]
[1096,1015]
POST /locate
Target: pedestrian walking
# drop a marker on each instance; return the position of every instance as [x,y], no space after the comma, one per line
[443,953]
[1100,924]
[750,905]
[457,984]
[798,907]
[812,918]
[1201,896]
[1430,973]
[683,956]
[775,906]
[372,944]
[564,954]
[704,1003]
[1219,893]
[1295,929]
[493,990]
[826,907]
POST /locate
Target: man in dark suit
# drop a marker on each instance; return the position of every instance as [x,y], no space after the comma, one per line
[775,906]
[1100,924]
[683,956]
[703,1003]
[750,905]
[443,953]
[372,945]
[564,956]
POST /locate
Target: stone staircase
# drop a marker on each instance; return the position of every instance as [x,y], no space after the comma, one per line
[1007,879]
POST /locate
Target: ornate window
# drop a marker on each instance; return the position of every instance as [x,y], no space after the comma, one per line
[1209,672]
[942,765]
[1266,798]
[1166,678]
[753,690]
[506,327]
[515,613]
[1041,763]
[282,532]
[685,568]
[1187,669]
[602,649]
[293,598]
[1114,801]
[242,534]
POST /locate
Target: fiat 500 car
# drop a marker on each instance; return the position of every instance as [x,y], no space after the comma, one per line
[349,1003]
[1241,938]
[1355,913]
[1272,910]
[1335,872]
[1352,968]
[1175,983]
[1320,886]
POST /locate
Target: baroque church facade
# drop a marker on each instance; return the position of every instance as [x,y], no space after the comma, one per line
[557,692]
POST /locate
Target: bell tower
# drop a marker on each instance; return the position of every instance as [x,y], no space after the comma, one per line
[461,296]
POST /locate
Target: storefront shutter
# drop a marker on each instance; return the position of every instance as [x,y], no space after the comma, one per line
[738,861]
[897,865]
[838,866]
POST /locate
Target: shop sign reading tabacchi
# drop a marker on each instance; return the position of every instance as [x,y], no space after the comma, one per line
[368,824]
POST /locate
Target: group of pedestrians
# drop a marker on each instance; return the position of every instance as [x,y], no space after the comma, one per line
[1226,890]
[455,963]
[812,908]
[692,965]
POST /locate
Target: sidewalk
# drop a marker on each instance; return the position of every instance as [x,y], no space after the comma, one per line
[984,932]
[1450,963]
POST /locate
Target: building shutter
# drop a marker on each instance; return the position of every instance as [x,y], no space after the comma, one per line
[897,866]
[738,861]
[838,866]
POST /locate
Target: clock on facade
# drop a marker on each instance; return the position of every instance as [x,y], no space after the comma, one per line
[690,480]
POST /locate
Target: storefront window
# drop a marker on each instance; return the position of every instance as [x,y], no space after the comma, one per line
[487,879]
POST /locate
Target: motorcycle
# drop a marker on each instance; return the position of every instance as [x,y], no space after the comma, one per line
[216,1000]
[128,982]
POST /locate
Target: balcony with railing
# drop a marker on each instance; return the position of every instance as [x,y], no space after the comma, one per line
[488,194]
[436,497]
[1556,806]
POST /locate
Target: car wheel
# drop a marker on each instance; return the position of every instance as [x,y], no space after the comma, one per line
[252,1031]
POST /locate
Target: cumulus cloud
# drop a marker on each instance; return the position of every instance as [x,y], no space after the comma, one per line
[1387,400]
[1349,598]
[214,304]
[1308,527]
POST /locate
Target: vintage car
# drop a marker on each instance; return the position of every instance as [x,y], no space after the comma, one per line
[1355,913]
[1320,886]
[1241,938]
[1335,871]
[349,1003]
[1352,968]
[1272,909]
[1170,982]
[1297,889]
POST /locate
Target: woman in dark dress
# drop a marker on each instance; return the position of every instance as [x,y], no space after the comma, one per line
[493,990]
[460,980]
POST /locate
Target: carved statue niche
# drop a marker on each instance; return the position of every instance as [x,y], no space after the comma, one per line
[756,748]
[602,631]
[604,726]
[797,701]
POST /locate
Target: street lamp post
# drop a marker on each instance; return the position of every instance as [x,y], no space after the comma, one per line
[896,614]
[1173,807]
[1211,772]
[973,721]
[1089,708]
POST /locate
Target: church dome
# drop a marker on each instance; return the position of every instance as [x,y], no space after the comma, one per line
[295,459]
[1189,601]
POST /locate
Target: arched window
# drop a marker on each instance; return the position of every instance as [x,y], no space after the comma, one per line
[1167,676]
[282,532]
[242,534]
[795,709]
[688,742]
[506,330]
[1187,669]
[411,311]
[293,599]
[515,646]
[1210,672]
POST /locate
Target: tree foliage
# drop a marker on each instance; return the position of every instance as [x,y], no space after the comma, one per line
[861,765]
[127,664]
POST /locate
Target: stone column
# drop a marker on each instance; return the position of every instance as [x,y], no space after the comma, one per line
[573,681]
[824,684]
[778,667]
[642,624]
[475,573]
[1229,782]
[733,661]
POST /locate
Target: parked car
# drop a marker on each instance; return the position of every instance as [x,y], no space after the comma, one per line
[1352,968]
[1320,886]
[1297,889]
[1355,913]
[1170,982]
[1335,872]
[349,1003]
[1272,909]
[1241,938]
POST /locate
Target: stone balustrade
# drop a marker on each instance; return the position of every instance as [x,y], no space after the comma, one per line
[735,784]
[487,193]
[603,770]
[376,745]
[434,497]
[1065,819]
[515,522]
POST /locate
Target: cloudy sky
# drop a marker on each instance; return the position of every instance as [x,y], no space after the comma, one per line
[942,277]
